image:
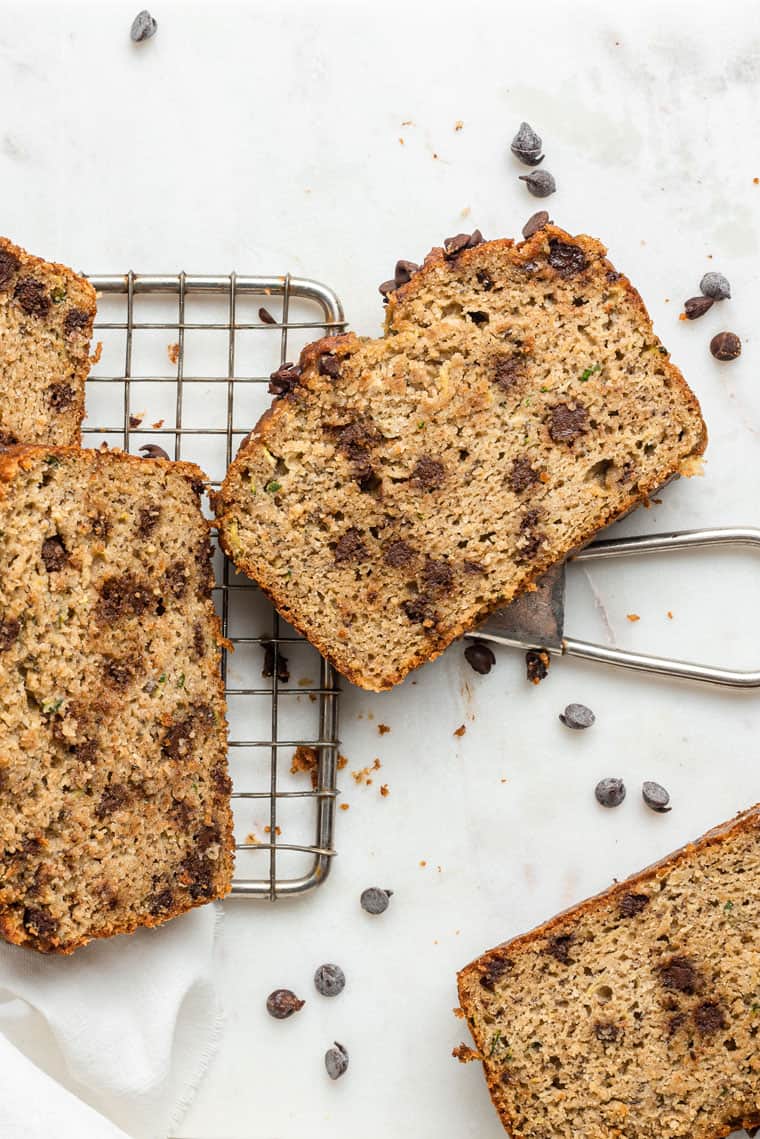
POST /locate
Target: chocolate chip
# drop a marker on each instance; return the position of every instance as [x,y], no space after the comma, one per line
[452,246]
[329,980]
[632,904]
[709,1018]
[272,660]
[656,797]
[566,423]
[484,280]
[697,306]
[508,371]
[329,365]
[492,972]
[399,553]
[540,183]
[610,792]
[715,286]
[160,903]
[196,873]
[428,474]
[9,265]
[39,922]
[153,451]
[534,223]
[350,547]
[532,538]
[147,519]
[122,596]
[119,672]
[473,567]
[266,317]
[437,574]
[577,716]
[9,631]
[336,1061]
[613,275]
[568,260]
[726,346]
[114,797]
[679,974]
[559,947]
[143,27]
[606,1032]
[54,554]
[526,146]
[32,297]
[374,900]
[178,739]
[76,320]
[175,580]
[7,439]
[480,657]
[284,380]
[386,288]
[418,610]
[404,272]
[522,474]
[60,396]
[100,526]
[537,665]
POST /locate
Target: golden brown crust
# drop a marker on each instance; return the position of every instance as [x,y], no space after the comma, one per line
[469,975]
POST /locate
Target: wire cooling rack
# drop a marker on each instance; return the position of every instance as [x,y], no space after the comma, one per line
[184,364]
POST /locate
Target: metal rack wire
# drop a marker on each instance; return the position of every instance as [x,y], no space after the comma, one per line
[133,310]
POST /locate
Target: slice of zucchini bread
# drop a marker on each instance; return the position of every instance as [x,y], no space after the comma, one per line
[46,315]
[402,488]
[637,1013]
[114,792]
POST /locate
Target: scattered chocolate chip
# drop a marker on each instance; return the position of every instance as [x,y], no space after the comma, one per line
[284,379]
[374,900]
[535,223]
[404,272]
[124,596]
[632,904]
[493,971]
[697,306]
[271,658]
[329,365]
[452,246]
[160,903]
[39,922]
[566,423]
[418,609]
[437,574]
[522,474]
[196,873]
[119,672]
[9,631]
[526,146]
[479,318]
[428,474]
[350,547]
[32,296]
[480,657]
[726,346]
[655,796]
[265,316]
[679,975]
[577,716]
[540,183]
[282,1003]
[606,1032]
[537,665]
[9,265]
[329,980]
[143,27]
[709,1018]
[147,519]
[114,797]
[508,371]
[336,1061]
[715,286]
[610,792]
[559,947]
[76,320]
[153,451]
[54,554]
[473,567]
[568,260]
[7,439]
[398,553]
[60,396]
[484,280]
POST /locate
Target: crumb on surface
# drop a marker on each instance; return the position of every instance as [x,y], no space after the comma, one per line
[364,774]
[342,762]
[344,806]
[756,181]
[383,729]
[423,862]
[460,730]
[407,123]
[669,614]
[136,418]
[458,1013]
[305,759]
[172,351]
[632,617]
[95,357]
[465,212]
[252,839]
[268,830]
[158,424]
[401,141]
[458,125]
[384,790]
[305,681]
[463,1053]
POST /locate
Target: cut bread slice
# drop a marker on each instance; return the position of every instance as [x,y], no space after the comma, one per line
[114,792]
[637,1013]
[46,316]
[402,488]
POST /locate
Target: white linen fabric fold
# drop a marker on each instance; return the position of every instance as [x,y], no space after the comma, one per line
[111,1041]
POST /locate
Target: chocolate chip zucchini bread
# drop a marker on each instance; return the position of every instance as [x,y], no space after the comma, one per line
[399,489]
[46,315]
[114,792]
[637,1013]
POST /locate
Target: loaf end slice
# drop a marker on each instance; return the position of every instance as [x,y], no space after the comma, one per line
[114,790]
[637,1013]
[405,487]
[46,319]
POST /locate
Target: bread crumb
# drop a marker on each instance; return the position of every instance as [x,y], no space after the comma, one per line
[465,212]
[342,762]
[370,715]
[407,123]
[362,776]
[172,351]
[460,730]
[434,154]
[252,839]
[423,862]
[344,806]
[458,125]
[669,614]
[95,358]
[383,729]
[756,181]
[136,419]
[158,424]
[502,781]
[305,759]
[633,617]
[458,1013]
[463,1053]
[268,830]
[401,141]
[384,790]
[305,681]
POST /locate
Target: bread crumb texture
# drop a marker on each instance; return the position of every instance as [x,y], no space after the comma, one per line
[46,318]
[114,791]
[404,487]
[637,1013]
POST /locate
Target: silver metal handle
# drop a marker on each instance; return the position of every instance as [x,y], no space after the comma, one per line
[664,666]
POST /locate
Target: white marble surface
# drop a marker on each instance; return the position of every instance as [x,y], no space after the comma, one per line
[265,137]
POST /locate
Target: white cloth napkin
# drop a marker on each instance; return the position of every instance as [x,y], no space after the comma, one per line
[112,1041]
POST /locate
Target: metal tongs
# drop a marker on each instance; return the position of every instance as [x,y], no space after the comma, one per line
[537,620]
